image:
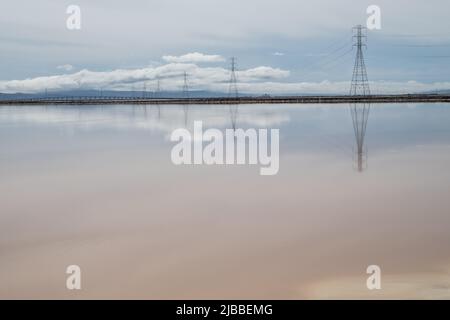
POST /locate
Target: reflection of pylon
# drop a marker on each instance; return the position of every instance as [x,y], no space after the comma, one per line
[360,115]
[233,93]
[185,96]
[157,95]
[360,82]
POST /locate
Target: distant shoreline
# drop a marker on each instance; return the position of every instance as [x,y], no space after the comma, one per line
[338,99]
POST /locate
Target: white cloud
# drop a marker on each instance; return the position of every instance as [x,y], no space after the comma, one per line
[258,80]
[65,67]
[151,28]
[278,54]
[195,57]
[262,73]
[165,122]
[170,75]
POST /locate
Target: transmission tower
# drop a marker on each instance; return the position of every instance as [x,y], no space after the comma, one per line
[233,89]
[360,115]
[185,86]
[157,95]
[157,92]
[144,90]
[360,82]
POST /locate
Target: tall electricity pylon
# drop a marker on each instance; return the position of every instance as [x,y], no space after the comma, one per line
[158,88]
[144,90]
[233,93]
[233,89]
[157,95]
[360,82]
[185,86]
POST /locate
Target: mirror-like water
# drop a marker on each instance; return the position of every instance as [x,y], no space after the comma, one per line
[95,186]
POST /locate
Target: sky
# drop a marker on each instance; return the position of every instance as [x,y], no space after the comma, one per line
[282,47]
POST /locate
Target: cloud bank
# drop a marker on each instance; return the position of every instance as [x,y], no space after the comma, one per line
[195,57]
[257,80]
[65,67]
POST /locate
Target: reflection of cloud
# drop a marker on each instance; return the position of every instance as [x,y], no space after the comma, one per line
[144,118]
[258,80]
[401,286]
[194,57]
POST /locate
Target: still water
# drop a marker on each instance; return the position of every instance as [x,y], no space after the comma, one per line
[95,187]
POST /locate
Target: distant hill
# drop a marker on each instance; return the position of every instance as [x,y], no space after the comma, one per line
[111,93]
[129,94]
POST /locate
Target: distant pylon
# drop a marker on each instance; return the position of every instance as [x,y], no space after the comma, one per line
[360,82]
[185,86]
[144,91]
[157,93]
[360,115]
[233,89]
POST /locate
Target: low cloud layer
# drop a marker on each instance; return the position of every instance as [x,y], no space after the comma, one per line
[194,57]
[258,80]
[65,67]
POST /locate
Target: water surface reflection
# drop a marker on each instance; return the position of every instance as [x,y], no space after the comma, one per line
[95,186]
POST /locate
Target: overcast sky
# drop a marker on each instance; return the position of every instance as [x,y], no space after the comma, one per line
[282,46]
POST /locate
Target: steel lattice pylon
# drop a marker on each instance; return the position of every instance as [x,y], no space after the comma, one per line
[360,82]
[233,89]
[185,86]
[157,95]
